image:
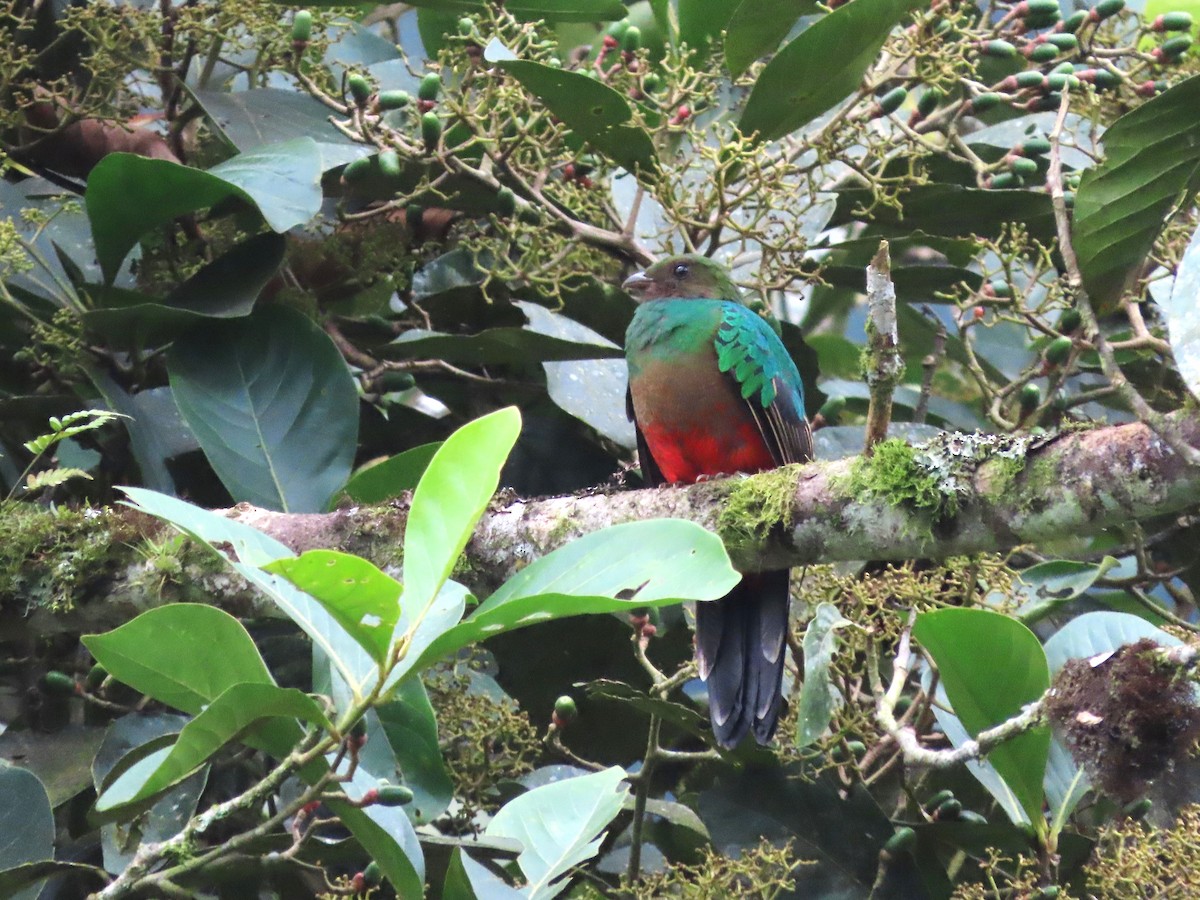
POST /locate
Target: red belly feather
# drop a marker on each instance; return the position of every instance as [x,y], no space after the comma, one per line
[684,456]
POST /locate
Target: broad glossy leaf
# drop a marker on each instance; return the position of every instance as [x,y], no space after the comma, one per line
[386,826]
[509,346]
[392,477]
[636,564]
[820,67]
[26,823]
[1049,585]
[757,27]
[251,550]
[594,111]
[549,10]
[954,211]
[453,493]
[156,430]
[12,880]
[702,21]
[991,666]
[408,731]
[817,698]
[1151,158]
[364,600]
[230,715]
[683,717]
[273,405]
[1101,632]
[560,826]
[256,118]
[184,655]
[283,180]
[468,880]
[1183,316]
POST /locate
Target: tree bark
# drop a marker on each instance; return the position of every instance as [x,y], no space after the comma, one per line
[1006,492]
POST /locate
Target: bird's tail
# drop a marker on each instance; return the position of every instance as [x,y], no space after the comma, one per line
[740,641]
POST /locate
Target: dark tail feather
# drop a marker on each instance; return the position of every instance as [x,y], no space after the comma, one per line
[740,641]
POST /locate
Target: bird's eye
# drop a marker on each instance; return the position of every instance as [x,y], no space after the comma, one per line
[681,270]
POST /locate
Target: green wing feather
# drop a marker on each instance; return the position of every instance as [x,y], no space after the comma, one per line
[749,350]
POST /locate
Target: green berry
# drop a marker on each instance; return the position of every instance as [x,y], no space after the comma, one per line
[1072,23]
[1138,808]
[631,40]
[357,170]
[360,88]
[1058,350]
[1041,9]
[95,677]
[1177,46]
[1031,396]
[938,799]
[892,100]
[1029,79]
[901,842]
[1064,42]
[1043,53]
[1059,80]
[969,816]
[929,101]
[393,99]
[1068,199]
[832,408]
[431,130]
[651,83]
[373,874]
[1107,8]
[394,795]
[617,29]
[466,25]
[998,288]
[1020,165]
[58,683]
[395,381]
[431,86]
[987,101]
[1035,147]
[1049,892]
[1106,79]
[948,810]
[1069,321]
[389,163]
[1173,21]
[999,49]
[302,26]
[565,709]
[1005,181]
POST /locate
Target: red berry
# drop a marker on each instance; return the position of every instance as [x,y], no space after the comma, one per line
[610,42]
[358,883]
[370,796]
[426,105]
[649,630]
[585,182]
[683,113]
[638,620]
[979,311]
[556,721]
[569,172]
[1146,88]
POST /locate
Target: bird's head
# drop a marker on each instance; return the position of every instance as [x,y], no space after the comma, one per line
[688,276]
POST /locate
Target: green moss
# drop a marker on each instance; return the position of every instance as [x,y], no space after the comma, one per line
[753,506]
[894,474]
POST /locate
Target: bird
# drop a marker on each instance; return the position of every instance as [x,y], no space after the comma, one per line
[713,391]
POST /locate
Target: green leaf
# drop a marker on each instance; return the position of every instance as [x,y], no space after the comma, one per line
[256,118]
[129,196]
[468,880]
[622,567]
[231,714]
[392,477]
[683,717]
[594,111]
[407,728]
[1101,632]
[509,346]
[453,493]
[527,10]
[17,877]
[559,825]
[26,823]
[1183,316]
[364,600]
[757,27]
[817,696]
[251,549]
[1049,585]
[273,405]
[820,68]
[991,666]
[1151,159]
[184,655]
[702,21]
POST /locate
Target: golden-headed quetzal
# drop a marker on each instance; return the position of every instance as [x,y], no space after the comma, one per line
[712,391]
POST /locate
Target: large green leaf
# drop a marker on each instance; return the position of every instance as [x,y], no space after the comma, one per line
[637,564]
[364,600]
[1183,316]
[991,666]
[594,111]
[509,346]
[1050,584]
[468,880]
[184,655]
[273,405]
[548,10]
[819,68]
[702,21]
[128,195]
[26,822]
[817,696]
[231,714]
[392,477]
[559,825]
[1151,157]
[757,27]
[407,730]
[453,493]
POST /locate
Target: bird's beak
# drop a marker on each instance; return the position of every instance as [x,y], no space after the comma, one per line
[638,284]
